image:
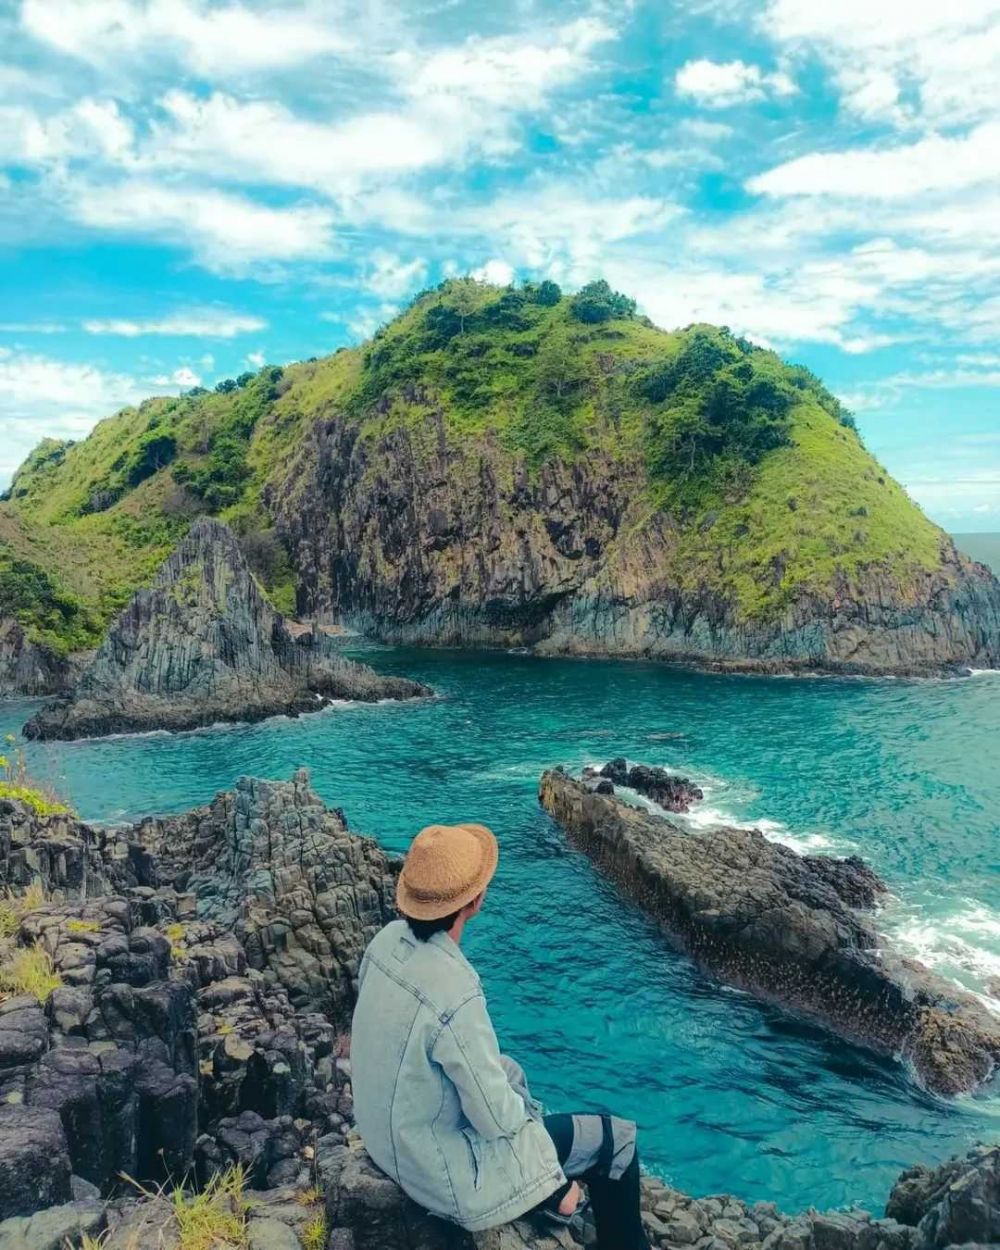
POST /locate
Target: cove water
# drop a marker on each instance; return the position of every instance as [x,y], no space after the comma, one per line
[730,1095]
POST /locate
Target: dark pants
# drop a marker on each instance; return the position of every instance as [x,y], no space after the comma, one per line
[600,1151]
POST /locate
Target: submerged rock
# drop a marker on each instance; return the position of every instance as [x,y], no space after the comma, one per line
[791,929]
[203,645]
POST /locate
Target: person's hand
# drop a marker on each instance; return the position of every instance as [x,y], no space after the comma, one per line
[571,1199]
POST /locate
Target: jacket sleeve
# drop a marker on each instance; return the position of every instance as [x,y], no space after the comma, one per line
[467,1050]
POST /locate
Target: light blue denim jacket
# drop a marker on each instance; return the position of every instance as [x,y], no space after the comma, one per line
[433,1097]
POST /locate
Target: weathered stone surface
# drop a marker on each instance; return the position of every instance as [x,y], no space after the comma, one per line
[301,894]
[433,539]
[203,645]
[28,669]
[54,1228]
[268,1234]
[957,1203]
[786,927]
[175,1044]
[34,1160]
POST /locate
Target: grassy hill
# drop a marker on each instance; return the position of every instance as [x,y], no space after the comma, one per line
[746,455]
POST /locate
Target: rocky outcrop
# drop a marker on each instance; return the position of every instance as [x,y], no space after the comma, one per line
[957,1203]
[431,539]
[201,646]
[795,930]
[28,669]
[673,794]
[206,964]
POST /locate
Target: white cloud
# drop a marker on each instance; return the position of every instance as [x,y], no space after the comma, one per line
[257,359]
[208,323]
[390,278]
[90,129]
[262,141]
[497,272]
[934,163]
[555,229]
[505,71]
[945,57]
[210,40]
[721,84]
[225,232]
[40,395]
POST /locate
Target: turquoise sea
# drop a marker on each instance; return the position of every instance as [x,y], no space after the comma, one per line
[730,1095]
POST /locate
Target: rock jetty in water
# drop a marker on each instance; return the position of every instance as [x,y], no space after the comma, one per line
[204,968]
[793,929]
[203,645]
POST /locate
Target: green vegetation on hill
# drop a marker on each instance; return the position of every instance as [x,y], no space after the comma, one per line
[756,463]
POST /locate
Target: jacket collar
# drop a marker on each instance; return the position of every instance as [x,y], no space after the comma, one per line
[443,943]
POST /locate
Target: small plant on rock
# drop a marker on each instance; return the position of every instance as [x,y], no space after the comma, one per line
[27,970]
[15,783]
[76,925]
[313,1236]
[175,935]
[215,1218]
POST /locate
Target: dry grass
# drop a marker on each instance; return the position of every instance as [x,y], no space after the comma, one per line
[214,1219]
[83,926]
[313,1236]
[27,970]
[23,969]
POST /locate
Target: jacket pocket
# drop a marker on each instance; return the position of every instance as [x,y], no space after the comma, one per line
[476,1150]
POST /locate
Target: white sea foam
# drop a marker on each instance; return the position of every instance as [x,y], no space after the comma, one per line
[962,945]
[718,809]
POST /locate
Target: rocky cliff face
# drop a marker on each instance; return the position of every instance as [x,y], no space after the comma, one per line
[193,955]
[27,669]
[183,1037]
[430,539]
[203,645]
[796,930]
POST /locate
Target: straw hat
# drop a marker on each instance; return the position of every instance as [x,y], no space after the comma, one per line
[446,867]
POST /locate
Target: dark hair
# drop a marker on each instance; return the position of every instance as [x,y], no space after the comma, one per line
[424,929]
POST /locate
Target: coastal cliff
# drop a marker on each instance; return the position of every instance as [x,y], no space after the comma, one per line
[203,645]
[518,467]
[440,541]
[192,976]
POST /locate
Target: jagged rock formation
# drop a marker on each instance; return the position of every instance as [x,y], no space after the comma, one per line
[673,794]
[193,954]
[440,541]
[28,669]
[193,951]
[203,645]
[791,929]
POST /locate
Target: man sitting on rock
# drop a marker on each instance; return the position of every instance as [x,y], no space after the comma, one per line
[440,1110]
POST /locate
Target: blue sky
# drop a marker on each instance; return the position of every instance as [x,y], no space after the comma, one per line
[189,189]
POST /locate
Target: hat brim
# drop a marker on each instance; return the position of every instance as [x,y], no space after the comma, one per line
[434,909]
